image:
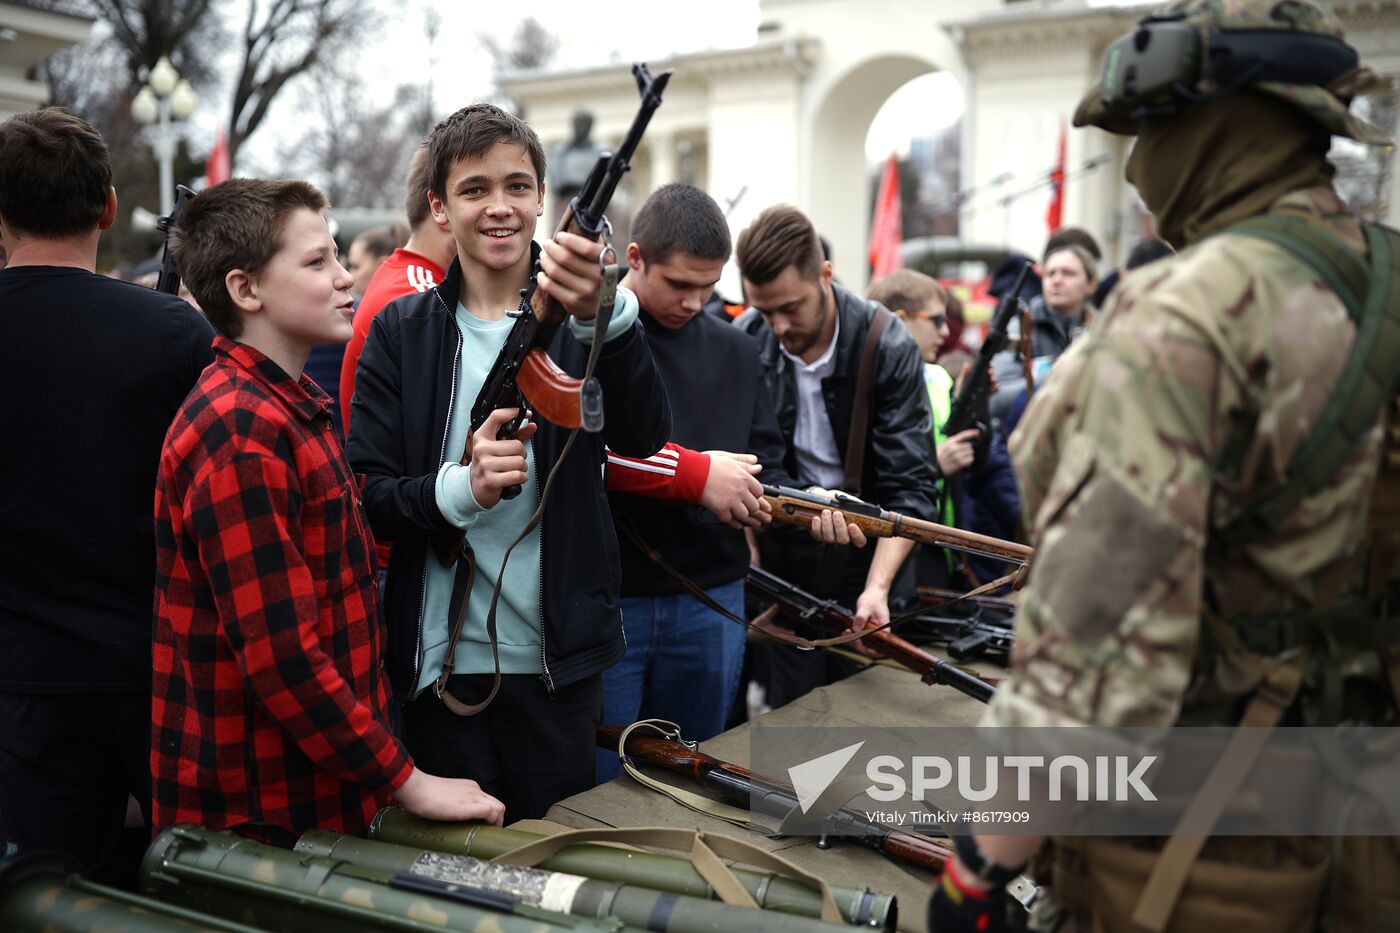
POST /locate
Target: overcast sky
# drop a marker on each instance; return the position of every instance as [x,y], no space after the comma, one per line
[462,71]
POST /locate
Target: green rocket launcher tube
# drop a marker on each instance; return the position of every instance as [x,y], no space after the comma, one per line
[859,906]
[273,889]
[43,893]
[657,911]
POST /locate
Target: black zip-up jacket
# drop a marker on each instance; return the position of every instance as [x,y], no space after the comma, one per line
[900,472]
[719,401]
[405,390]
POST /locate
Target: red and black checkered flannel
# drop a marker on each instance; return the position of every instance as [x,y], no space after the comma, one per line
[269,704]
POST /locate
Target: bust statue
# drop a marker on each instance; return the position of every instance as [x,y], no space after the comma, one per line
[571,162]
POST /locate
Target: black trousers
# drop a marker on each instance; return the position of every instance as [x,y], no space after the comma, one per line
[67,765]
[527,749]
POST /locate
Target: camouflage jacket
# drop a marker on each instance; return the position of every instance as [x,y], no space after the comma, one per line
[1231,345]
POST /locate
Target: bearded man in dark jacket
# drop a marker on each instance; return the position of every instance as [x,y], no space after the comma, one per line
[812,337]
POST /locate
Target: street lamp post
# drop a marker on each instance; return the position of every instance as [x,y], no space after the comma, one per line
[165,98]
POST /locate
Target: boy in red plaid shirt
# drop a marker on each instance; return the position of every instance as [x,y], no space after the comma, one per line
[269,703]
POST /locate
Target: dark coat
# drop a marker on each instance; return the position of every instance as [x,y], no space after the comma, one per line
[405,390]
[900,471]
[1051,335]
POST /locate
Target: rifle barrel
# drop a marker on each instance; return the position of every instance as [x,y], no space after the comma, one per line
[769,795]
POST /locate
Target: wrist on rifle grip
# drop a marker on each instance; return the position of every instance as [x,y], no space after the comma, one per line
[454,496]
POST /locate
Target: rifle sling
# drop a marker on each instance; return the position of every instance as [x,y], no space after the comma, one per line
[1026,341]
[863,401]
[707,852]
[1167,880]
[465,572]
[624,523]
[1371,293]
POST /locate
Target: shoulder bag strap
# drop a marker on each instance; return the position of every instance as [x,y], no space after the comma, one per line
[863,401]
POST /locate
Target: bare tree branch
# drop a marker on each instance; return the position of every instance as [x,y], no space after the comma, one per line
[281,42]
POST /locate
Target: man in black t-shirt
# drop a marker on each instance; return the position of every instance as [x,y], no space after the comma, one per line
[683,658]
[94,369]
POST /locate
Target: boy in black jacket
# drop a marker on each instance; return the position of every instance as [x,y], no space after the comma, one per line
[558,624]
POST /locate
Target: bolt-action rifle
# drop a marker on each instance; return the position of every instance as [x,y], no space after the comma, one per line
[972,406]
[772,797]
[169,280]
[523,374]
[799,507]
[797,603]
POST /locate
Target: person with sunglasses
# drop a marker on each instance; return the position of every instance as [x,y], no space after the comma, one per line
[987,502]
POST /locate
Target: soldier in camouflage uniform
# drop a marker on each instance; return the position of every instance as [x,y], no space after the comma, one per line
[1185,404]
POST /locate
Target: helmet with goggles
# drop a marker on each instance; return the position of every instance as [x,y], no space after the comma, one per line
[1194,50]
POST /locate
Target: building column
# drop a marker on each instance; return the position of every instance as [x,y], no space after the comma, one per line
[661,147]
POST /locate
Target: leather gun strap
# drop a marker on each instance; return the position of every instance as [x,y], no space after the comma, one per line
[607,293]
[624,524]
[863,401]
[466,568]
[760,624]
[1170,873]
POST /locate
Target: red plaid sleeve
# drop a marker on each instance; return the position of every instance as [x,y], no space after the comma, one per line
[246,519]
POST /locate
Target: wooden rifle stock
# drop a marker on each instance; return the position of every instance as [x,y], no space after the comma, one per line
[776,798]
[799,507]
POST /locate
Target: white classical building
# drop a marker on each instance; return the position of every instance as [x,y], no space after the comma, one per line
[785,119]
[27,37]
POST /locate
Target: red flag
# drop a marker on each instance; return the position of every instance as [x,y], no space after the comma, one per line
[217,169]
[886,228]
[1057,186]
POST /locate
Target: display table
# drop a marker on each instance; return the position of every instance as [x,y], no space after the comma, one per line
[877,696]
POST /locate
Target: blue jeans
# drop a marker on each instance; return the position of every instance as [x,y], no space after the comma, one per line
[682,664]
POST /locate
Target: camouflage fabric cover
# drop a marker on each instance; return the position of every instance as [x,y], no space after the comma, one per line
[1118,458]
[1329,106]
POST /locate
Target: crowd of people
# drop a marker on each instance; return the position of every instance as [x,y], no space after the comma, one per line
[315,652]
[366,590]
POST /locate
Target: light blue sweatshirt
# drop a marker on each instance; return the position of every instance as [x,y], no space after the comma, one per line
[490,531]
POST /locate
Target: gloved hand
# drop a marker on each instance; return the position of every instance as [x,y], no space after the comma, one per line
[957,907]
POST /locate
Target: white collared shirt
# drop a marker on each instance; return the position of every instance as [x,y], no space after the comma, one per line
[813,441]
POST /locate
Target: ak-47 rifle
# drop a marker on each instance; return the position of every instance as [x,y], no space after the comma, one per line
[971,637]
[523,373]
[798,506]
[972,406]
[772,797]
[169,280]
[798,604]
[985,630]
